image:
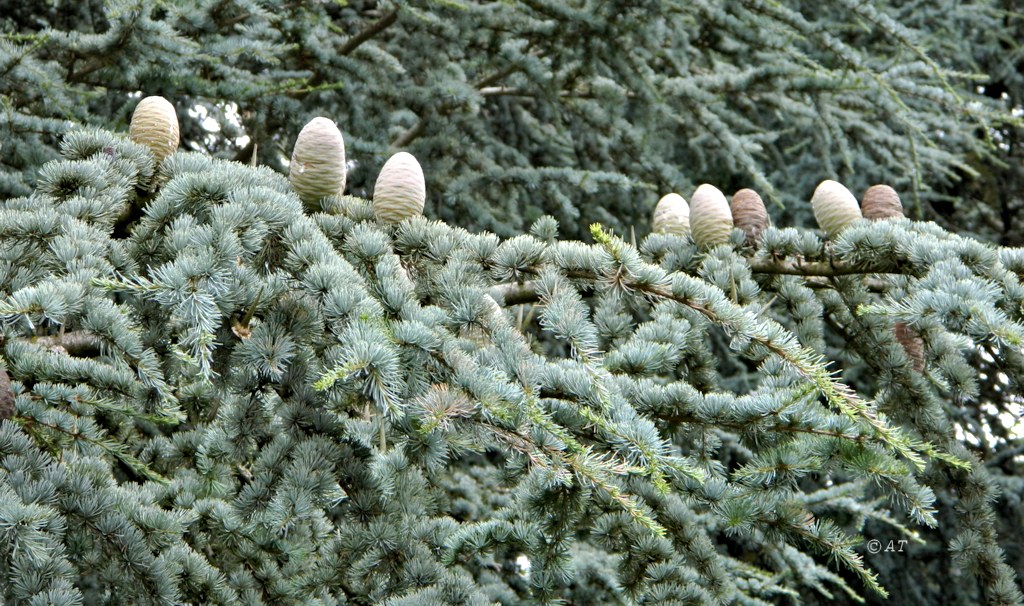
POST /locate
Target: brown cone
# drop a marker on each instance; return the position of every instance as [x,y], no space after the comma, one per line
[6,395]
[749,214]
[912,344]
[881,202]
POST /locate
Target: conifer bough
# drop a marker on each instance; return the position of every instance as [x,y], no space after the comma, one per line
[710,217]
[400,191]
[271,473]
[834,207]
[318,166]
[155,125]
[671,216]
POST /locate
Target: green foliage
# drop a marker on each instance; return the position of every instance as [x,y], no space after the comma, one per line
[223,399]
[585,111]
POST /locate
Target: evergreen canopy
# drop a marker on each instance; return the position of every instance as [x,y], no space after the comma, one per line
[231,400]
[217,391]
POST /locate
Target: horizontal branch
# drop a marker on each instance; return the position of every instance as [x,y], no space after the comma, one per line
[83,343]
[820,283]
[80,343]
[825,269]
[816,274]
[514,293]
[512,91]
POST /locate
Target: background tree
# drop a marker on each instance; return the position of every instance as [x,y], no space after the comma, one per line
[519,109]
[555,444]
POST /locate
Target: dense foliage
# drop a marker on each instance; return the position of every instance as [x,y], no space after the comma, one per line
[213,391]
[229,400]
[585,111]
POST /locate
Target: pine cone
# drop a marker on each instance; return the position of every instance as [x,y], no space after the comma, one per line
[318,166]
[155,125]
[881,202]
[834,207]
[912,344]
[400,191]
[710,218]
[6,395]
[749,214]
[671,216]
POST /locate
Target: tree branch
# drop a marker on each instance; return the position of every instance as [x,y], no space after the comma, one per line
[512,91]
[77,76]
[83,343]
[382,24]
[495,77]
[233,21]
[817,274]
[316,81]
[825,269]
[80,343]
[481,85]
[410,135]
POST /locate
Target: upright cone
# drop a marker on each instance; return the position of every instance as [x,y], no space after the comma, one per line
[155,125]
[7,407]
[710,218]
[881,202]
[318,166]
[834,207]
[400,191]
[749,214]
[671,216]
[912,344]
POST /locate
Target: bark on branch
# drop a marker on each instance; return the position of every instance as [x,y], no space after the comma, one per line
[377,27]
[825,269]
[79,343]
[816,273]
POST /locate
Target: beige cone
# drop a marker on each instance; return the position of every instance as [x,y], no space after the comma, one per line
[881,202]
[671,216]
[400,191]
[834,207]
[155,125]
[749,214]
[318,166]
[710,217]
